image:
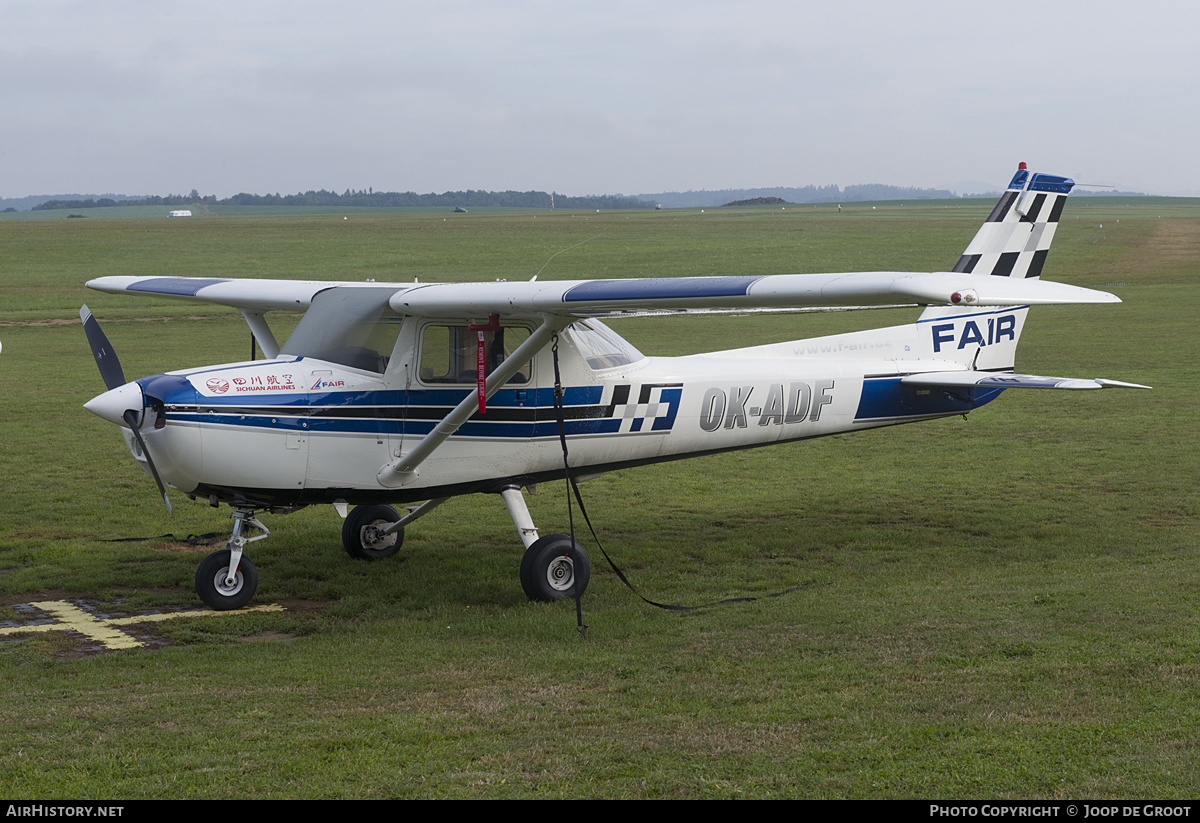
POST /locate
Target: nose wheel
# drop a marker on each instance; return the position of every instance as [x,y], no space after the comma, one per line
[226,579]
[213,581]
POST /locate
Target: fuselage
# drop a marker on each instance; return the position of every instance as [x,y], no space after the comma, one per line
[297,430]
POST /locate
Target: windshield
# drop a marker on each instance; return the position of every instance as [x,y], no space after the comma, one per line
[353,327]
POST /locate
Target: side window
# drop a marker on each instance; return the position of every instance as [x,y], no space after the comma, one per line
[449,354]
[601,347]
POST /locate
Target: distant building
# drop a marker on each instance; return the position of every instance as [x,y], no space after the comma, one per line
[180,213]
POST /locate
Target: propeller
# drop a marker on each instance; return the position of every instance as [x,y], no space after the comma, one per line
[102,350]
[119,393]
[131,417]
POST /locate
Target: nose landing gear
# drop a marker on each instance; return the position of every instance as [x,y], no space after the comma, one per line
[227,580]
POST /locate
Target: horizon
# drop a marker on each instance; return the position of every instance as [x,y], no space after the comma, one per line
[86,201]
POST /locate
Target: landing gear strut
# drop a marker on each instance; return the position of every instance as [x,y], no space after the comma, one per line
[227,580]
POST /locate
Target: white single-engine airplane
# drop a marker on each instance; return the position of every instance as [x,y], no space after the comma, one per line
[415,393]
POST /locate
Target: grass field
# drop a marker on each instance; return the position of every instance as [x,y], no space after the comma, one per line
[1002,606]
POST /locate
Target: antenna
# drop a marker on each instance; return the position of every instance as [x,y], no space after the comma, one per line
[557,253]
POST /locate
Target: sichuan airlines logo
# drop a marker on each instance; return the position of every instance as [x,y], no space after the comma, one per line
[217,386]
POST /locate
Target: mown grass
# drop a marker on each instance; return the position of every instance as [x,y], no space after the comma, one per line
[1002,606]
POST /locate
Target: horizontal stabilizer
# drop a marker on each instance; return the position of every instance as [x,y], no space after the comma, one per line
[992,380]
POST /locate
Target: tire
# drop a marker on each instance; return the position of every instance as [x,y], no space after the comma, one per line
[552,566]
[210,582]
[360,535]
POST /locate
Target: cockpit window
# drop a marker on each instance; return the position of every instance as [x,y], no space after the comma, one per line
[600,347]
[450,354]
[354,327]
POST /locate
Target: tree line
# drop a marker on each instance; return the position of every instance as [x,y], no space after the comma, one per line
[370,198]
[804,194]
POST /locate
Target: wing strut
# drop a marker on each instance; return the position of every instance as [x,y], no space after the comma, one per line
[400,471]
[262,332]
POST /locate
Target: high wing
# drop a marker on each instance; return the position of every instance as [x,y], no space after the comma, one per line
[564,300]
[592,298]
[253,298]
[248,294]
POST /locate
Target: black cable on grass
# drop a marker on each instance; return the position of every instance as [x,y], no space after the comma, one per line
[573,487]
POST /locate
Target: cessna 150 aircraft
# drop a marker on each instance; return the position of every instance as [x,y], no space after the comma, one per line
[414,393]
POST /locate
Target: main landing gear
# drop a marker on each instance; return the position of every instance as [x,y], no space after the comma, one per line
[552,568]
[366,536]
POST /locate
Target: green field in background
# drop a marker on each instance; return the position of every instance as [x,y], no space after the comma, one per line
[998,606]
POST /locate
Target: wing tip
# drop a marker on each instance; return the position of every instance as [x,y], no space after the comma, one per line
[1119,384]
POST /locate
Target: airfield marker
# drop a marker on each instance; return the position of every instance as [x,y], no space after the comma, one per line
[70,617]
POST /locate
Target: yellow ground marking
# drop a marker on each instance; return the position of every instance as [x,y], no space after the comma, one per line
[70,617]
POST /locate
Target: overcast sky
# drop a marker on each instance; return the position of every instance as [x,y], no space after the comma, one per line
[593,98]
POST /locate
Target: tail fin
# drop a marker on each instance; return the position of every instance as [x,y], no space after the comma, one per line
[1012,242]
[1015,239]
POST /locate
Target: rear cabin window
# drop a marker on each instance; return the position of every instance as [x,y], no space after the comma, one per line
[601,347]
[449,354]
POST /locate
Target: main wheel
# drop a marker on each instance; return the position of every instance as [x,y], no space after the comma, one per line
[211,585]
[362,533]
[553,566]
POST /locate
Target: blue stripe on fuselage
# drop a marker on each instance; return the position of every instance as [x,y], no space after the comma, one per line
[477,427]
[886,398]
[438,398]
[517,413]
